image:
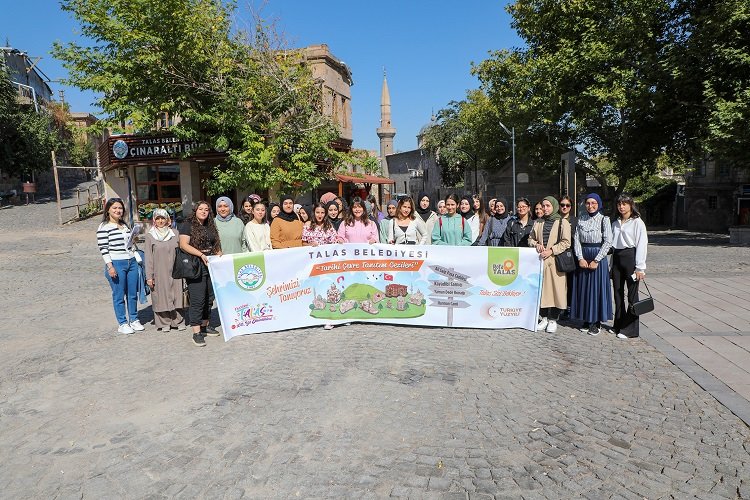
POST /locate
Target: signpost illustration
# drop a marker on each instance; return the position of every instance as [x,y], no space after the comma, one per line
[444,292]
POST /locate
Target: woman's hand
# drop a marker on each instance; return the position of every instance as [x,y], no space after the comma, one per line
[546,253]
[593,265]
[313,243]
[112,272]
[150,284]
[640,275]
[204,258]
[371,241]
[539,248]
[583,264]
[339,239]
[219,254]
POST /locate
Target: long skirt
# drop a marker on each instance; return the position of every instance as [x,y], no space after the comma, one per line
[592,290]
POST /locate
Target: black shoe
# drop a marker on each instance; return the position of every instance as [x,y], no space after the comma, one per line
[594,330]
[210,331]
[198,340]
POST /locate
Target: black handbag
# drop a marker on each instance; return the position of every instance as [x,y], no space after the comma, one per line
[185,266]
[643,306]
[564,261]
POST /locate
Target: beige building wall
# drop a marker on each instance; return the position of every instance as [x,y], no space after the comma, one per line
[336,82]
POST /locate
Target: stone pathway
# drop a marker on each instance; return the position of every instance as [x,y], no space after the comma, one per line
[366,411]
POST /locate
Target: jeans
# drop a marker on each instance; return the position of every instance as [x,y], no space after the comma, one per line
[124,285]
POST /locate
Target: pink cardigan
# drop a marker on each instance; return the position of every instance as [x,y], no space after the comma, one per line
[359,233]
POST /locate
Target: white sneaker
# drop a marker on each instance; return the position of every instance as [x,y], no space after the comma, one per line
[552,326]
[137,326]
[125,328]
[622,336]
[543,322]
[328,327]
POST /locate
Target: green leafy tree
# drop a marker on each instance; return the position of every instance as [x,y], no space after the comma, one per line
[26,137]
[467,136]
[234,91]
[591,78]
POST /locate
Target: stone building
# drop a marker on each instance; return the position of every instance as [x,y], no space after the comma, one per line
[26,75]
[145,170]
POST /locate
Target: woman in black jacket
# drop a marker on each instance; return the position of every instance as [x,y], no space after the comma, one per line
[519,227]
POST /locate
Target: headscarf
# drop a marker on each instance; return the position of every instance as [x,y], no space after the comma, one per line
[296,208]
[165,233]
[335,222]
[555,207]
[505,214]
[309,211]
[392,203]
[287,216]
[253,198]
[224,199]
[598,200]
[327,197]
[470,213]
[423,212]
[270,208]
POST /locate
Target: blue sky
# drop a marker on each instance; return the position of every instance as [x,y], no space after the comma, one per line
[426,47]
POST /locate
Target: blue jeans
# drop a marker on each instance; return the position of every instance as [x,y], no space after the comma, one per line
[124,285]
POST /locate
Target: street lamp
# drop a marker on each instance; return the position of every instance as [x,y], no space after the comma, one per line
[512,134]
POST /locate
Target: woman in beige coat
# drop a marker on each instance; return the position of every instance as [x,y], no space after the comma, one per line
[166,293]
[551,236]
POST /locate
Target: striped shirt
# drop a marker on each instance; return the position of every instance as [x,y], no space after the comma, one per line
[593,229]
[111,240]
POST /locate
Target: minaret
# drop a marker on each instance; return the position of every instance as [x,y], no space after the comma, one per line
[386,132]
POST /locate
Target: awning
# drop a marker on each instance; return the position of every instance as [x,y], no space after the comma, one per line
[364,179]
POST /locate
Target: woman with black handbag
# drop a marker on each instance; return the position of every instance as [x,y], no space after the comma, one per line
[630,243]
[199,237]
[551,238]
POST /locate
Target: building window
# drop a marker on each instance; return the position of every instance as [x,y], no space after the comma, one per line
[165,121]
[157,184]
[722,169]
[699,170]
[713,202]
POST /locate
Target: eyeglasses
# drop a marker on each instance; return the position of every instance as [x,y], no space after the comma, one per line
[566,205]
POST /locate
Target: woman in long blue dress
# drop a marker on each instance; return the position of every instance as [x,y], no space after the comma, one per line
[592,290]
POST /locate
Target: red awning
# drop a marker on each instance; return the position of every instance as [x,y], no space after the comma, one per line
[364,179]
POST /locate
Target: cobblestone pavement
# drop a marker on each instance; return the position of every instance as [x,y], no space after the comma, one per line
[361,411]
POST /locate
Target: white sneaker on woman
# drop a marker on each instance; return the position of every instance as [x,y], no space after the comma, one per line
[543,322]
[125,328]
[552,326]
[137,326]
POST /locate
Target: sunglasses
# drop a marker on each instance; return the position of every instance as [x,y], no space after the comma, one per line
[564,204]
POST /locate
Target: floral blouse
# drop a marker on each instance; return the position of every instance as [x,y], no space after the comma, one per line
[315,234]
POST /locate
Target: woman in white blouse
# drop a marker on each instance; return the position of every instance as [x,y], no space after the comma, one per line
[630,243]
[257,231]
[405,228]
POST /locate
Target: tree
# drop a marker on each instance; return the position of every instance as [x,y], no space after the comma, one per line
[26,137]
[466,137]
[712,65]
[592,78]
[234,91]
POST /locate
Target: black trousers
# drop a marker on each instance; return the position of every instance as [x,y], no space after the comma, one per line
[552,313]
[201,297]
[623,267]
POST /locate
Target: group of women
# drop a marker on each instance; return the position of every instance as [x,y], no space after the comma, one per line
[585,294]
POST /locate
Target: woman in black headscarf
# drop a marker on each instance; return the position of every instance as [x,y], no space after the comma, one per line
[466,209]
[495,227]
[273,211]
[332,211]
[428,215]
[286,229]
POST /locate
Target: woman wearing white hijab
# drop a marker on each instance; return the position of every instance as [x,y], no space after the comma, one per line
[231,229]
[166,292]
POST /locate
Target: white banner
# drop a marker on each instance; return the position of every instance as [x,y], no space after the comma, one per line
[467,287]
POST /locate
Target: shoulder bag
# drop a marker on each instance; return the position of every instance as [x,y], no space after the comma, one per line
[643,306]
[185,265]
[564,261]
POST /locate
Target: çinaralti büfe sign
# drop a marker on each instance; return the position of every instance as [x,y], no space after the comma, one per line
[139,148]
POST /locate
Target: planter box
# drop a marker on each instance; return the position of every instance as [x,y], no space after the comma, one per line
[739,235]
